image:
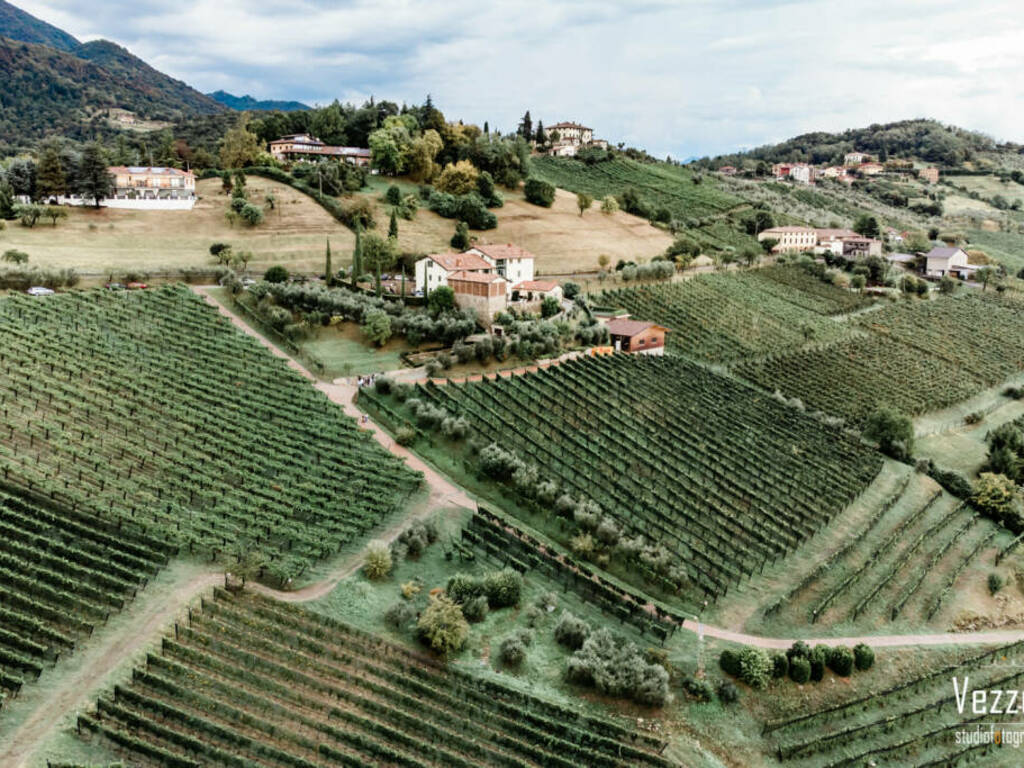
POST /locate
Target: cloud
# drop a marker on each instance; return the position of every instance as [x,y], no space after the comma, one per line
[682,78]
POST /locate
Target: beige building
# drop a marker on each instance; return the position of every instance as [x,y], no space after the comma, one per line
[536,290]
[570,133]
[790,238]
[483,292]
[870,169]
[433,271]
[303,146]
[855,158]
[940,262]
[513,263]
[930,175]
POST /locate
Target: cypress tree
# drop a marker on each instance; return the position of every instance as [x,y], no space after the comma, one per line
[357,254]
[328,271]
[393,226]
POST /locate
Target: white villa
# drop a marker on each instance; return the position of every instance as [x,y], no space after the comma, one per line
[513,263]
[434,270]
[144,188]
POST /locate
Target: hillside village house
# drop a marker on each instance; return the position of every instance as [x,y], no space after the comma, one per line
[940,262]
[803,173]
[727,170]
[929,175]
[536,290]
[870,169]
[790,238]
[513,263]
[858,247]
[637,336]
[856,158]
[484,292]
[153,188]
[303,146]
[433,271]
[571,137]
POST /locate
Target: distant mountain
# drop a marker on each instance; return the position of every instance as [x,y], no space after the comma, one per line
[44,91]
[18,25]
[249,104]
[162,91]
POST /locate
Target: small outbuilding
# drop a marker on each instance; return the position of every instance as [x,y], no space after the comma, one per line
[629,335]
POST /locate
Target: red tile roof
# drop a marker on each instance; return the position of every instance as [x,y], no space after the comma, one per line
[626,327]
[503,251]
[454,261]
[535,285]
[151,170]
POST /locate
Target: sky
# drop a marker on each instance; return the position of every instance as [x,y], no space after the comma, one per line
[686,78]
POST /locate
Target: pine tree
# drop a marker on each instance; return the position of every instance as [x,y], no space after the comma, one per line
[541,136]
[51,180]
[6,201]
[487,128]
[393,226]
[526,127]
[94,179]
[328,270]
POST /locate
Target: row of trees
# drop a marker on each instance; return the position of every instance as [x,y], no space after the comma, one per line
[60,170]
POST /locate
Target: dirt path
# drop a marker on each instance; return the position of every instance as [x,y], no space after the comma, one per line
[79,687]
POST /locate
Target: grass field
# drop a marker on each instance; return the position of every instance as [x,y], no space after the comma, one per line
[98,242]
[562,240]
[1005,247]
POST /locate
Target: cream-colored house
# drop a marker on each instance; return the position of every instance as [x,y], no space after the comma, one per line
[433,271]
[571,133]
[855,158]
[790,238]
[940,262]
[513,263]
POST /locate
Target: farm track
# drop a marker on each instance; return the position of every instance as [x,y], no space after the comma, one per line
[157,616]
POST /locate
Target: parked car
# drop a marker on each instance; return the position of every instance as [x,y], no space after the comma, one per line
[247,281]
[137,286]
[38,290]
[114,287]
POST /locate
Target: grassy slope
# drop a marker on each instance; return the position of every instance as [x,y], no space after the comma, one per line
[97,242]
[562,240]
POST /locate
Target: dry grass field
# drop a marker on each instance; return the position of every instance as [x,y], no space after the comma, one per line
[97,242]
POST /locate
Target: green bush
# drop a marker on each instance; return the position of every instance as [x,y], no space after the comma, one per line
[377,564]
[995,583]
[475,609]
[698,689]
[728,693]
[780,665]
[863,657]
[462,587]
[539,192]
[442,625]
[405,435]
[571,631]
[276,274]
[755,667]
[840,660]
[819,660]
[729,661]
[401,614]
[617,668]
[512,650]
[799,669]
[503,588]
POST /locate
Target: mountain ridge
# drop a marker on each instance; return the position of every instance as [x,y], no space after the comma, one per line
[249,104]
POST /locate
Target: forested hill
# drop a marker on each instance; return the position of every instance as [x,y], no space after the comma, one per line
[928,140]
[18,25]
[44,91]
[248,103]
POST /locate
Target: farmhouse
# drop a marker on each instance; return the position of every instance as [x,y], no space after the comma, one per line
[790,238]
[433,271]
[855,158]
[940,262]
[929,175]
[802,172]
[513,263]
[727,170]
[303,146]
[536,290]
[152,188]
[484,292]
[870,169]
[861,247]
[639,336]
[571,133]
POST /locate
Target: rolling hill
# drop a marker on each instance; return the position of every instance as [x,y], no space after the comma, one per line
[248,103]
[18,25]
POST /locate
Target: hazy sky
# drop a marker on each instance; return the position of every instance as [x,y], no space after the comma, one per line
[684,78]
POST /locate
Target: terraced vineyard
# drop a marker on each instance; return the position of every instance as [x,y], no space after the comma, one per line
[901,563]
[728,317]
[147,408]
[724,477]
[912,723]
[918,356]
[254,682]
[62,573]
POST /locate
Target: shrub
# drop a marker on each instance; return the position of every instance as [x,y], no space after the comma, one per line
[840,660]
[442,625]
[863,657]
[401,614]
[405,435]
[698,689]
[377,564]
[571,631]
[728,693]
[755,667]
[799,669]
[462,587]
[616,668]
[251,214]
[475,609]
[539,192]
[382,386]
[780,665]
[729,661]
[276,274]
[512,651]
[393,195]
[570,290]
[819,660]
[503,588]
[995,583]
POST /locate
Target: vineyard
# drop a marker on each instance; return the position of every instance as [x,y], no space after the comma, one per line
[912,723]
[722,477]
[728,317]
[918,356]
[147,410]
[62,573]
[254,682]
[902,562]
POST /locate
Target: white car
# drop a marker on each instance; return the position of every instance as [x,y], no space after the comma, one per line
[38,290]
